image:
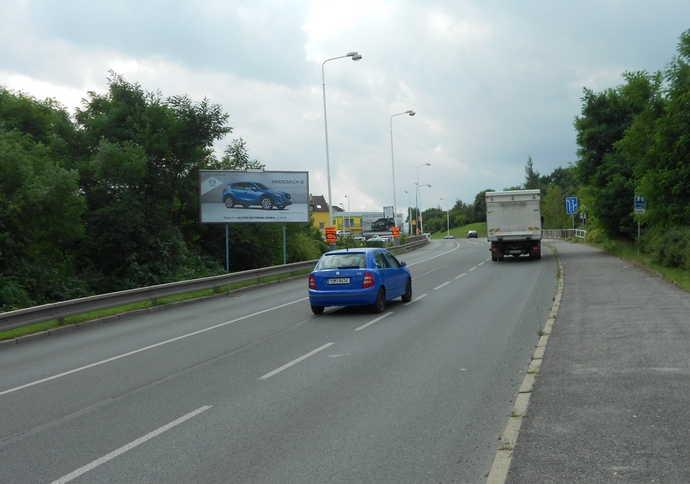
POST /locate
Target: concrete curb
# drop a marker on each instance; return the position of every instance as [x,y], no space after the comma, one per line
[501,464]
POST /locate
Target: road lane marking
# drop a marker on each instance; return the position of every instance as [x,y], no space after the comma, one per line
[294,362]
[461,275]
[130,446]
[375,320]
[416,299]
[430,258]
[140,350]
[439,287]
[473,269]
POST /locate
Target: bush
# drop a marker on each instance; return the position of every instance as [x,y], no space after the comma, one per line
[669,248]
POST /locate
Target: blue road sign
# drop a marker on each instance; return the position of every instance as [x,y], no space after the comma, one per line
[640,205]
[571,205]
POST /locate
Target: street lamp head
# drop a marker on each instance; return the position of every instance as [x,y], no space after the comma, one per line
[355,56]
[410,112]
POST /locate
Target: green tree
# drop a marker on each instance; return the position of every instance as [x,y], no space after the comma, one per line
[40,220]
[563,178]
[602,168]
[659,143]
[553,209]
[532,180]
[141,183]
[479,208]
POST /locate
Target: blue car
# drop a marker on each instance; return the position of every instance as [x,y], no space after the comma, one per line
[253,193]
[358,277]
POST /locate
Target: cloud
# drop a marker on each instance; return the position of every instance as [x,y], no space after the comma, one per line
[492,81]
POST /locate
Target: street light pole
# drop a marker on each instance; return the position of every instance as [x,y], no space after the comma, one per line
[418,207]
[421,222]
[409,207]
[355,57]
[349,216]
[447,221]
[395,201]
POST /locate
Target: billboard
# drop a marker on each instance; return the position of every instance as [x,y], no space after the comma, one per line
[253,196]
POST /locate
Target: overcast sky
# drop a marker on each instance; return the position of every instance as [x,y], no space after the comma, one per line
[492,82]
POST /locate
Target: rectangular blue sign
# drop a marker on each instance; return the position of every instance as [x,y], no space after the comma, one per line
[571,205]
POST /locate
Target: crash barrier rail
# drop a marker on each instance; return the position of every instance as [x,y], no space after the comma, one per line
[62,309]
[563,233]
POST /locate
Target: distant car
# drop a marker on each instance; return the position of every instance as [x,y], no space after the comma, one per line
[378,238]
[254,193]
[472,234]
[343,233]
[382,224]
[427,235]
[449,237]
[361,238]
[358,277]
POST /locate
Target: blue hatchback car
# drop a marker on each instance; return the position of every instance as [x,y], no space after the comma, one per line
[358,277]
[253,193]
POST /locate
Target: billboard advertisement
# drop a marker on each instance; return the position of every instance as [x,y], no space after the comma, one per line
[253,196]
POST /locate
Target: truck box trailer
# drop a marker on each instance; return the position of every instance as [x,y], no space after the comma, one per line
[513,223]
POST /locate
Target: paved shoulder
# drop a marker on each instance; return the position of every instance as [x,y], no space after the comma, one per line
[612,399]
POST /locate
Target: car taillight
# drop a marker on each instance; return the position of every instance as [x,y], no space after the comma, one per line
[312,282]
[368,280]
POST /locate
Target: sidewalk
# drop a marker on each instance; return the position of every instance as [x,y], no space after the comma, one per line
[611,403]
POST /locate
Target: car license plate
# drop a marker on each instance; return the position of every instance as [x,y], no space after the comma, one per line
[341,280]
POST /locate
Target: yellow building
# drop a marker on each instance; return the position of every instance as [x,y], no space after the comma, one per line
[318,208]
[348,221]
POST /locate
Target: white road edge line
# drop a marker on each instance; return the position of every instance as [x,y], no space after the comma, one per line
[294,362]
[439,287]
[130,446]
[375,320]
[98,363]
[464,273]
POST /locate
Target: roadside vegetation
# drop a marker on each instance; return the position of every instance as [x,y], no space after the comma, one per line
[106,199]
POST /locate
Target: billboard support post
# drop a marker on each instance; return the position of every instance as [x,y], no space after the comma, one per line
[284,244]
[227,248]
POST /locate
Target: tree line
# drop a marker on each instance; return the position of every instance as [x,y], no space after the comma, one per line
[634,139]
[561,183]
[107,199]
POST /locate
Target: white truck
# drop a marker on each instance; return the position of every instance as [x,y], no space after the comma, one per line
[513,223]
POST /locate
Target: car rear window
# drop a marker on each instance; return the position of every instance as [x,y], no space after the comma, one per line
[341,261]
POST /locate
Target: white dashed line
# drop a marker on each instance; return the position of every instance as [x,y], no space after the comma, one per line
[294,362]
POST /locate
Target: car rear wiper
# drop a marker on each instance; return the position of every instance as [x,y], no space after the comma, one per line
[348,267]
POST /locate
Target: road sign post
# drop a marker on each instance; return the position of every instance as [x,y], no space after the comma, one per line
[640,208]
[571,207]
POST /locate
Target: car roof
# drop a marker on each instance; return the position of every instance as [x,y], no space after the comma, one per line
[362,250]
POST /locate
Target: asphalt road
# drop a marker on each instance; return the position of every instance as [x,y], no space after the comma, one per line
[256,389]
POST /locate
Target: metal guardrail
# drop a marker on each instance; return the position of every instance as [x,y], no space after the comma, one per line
[63,309]
[563,233]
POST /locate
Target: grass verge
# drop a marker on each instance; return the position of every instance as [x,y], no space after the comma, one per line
[629,252]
